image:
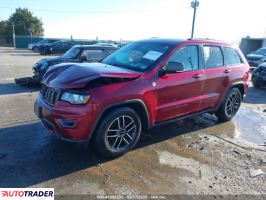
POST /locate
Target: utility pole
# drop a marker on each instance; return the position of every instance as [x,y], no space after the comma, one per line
[14,35]
[194,5]
[30,35]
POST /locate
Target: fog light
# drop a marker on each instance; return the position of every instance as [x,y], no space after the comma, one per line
[67,123]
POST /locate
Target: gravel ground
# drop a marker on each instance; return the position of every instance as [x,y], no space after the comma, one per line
[194,156]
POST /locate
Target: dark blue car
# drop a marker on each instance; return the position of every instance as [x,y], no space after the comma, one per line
[58,47]
[77,54]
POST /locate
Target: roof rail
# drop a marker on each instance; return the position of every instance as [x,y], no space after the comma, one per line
[205,39]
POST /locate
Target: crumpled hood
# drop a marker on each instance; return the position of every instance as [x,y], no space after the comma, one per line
[73,75]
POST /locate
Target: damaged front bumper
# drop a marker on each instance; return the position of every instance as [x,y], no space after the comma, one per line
[30,81]
[36,79]
[63,121]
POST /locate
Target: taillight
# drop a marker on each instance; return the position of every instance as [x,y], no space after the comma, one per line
[246,76]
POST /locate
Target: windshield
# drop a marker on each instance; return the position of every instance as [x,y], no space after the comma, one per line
[137,56]
[261,51]
[43,41]
[72,53]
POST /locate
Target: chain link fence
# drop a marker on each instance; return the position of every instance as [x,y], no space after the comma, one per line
[3,42]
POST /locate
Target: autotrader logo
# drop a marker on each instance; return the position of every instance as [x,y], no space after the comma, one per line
[27,193]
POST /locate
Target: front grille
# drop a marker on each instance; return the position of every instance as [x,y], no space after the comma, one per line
[50,95]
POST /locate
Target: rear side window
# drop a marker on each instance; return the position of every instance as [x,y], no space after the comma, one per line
[213,57]
[94,55]
[51,41]
[231,56]
[188,56]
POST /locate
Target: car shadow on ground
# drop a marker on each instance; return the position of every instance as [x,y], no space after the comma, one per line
[15,51]
[29,155]
[25,54]
[254,96]
[13,88]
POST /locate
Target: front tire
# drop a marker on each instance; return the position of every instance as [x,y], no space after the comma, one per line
[118,132]
[43,52]
[230,105]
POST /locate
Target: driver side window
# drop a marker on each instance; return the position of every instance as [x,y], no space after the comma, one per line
[188,56]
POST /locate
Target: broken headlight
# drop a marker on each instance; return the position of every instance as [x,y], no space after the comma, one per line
[75,98]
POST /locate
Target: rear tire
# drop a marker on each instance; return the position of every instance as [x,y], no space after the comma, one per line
[118,132]
[43,52]
[35,49]
[230,105]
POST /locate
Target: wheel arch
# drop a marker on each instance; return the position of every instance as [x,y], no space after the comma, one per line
[137,105]
[238,85]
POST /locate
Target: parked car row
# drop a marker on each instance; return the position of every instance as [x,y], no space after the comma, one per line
[257,57]
[139,86]
[258,77]
[257,62]
[56,46]
[35,46]
[77,54]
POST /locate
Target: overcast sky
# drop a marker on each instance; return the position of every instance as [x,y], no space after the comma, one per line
[136,19]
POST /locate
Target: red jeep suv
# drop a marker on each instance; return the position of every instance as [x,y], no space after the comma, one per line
[141,85]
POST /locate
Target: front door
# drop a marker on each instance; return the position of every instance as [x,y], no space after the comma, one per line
[180,93]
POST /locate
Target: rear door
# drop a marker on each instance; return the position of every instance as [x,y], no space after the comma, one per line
[57,47]
[239,71]
[64,47]
[180,93]
[217,75]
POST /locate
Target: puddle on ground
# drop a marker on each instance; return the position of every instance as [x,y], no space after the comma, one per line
[250,126]
[247,125]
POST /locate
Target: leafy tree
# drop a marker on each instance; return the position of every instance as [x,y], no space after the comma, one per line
[2,27]
[25,24]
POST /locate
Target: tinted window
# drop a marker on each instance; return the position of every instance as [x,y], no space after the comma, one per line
[94,55]
[188,56]
[43,41]
[66,44]
[231,56]
[51,41]
[72,53]
[58,44]
[213,57]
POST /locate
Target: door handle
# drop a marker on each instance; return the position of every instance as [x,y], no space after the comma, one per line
[196,76]
[227,71]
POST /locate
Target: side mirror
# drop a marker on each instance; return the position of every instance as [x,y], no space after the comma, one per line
[173,67]
[83,58]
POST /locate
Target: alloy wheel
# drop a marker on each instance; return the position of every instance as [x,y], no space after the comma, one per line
[232,104]
[121,133]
